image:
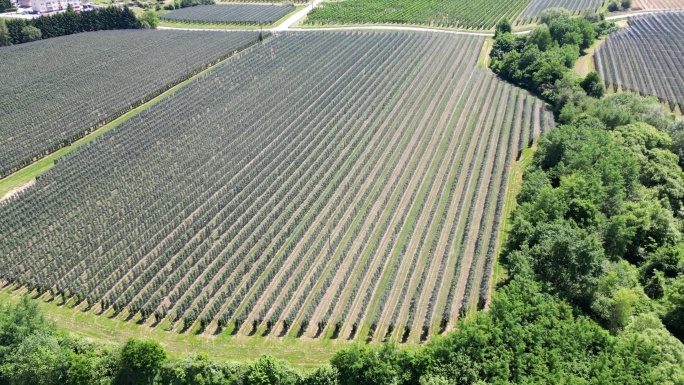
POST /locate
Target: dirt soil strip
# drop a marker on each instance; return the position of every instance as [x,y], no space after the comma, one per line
[429,199]
[381,171]
[85,262]
[453,110]
[397,299]
[479,200]
[465,195]
[290,221]
[206,200]
[300,289]
[441,240]
[509,189]
[226,186]
[333,209]
[396,218]
[473,151]
[331,260]
[489,219]
[376,209]
[452,218]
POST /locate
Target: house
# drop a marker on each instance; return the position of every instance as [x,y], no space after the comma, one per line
[46,6]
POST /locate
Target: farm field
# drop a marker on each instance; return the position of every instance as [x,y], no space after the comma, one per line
[646,57]
[298,2]
[53,105]
[318,185]
[248,14]
[476,15]
[649,5]
[536,7]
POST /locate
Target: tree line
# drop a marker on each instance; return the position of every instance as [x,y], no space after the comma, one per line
[17,31]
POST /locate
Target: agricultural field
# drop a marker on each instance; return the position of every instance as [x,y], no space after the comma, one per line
[536,7]
[647,57]
[86,80]
[249,14]
[465,14]
[653,5]
[299,2]
[324,185]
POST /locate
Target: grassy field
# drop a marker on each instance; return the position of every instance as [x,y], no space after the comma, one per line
[303,353]
[585,64]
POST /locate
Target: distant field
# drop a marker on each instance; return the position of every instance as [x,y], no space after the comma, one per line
[326,185]
[647,57]
[230,14]
[536,7]
[470,14]
[657,4]
[298,2]
[57,90]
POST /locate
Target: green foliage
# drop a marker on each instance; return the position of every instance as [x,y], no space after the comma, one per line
[150,19]
[480,14]
[541,37]
[267,371]
[502,27]
[18,322]
[551,14]
[38,360]
[67,23]
[196,370]
[504,44]
[593,85]
[547,56]
[5,39]
[676,132]
[30,33]
[140,361]
[5,5]
[601,206]
[322,375]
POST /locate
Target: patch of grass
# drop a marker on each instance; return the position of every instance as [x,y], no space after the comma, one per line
[302,353]
[483,60]
[515,181]
[585,64]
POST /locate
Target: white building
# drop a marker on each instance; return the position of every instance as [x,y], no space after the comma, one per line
[47,6]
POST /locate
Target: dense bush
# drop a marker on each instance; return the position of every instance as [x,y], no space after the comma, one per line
[543,57]
[69,22]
